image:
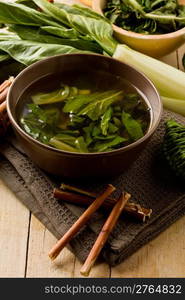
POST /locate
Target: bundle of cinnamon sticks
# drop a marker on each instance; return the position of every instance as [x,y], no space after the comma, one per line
[78,196]
[4,121]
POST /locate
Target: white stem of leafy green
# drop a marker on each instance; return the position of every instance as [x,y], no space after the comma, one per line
[176,105]
[157,17]
[169,81]
[163,17]
[136,6]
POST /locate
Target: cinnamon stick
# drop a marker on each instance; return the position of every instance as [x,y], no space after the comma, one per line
[3,95]
[2,107]
[6,84]
[104,234]
[81,197]
[80,222]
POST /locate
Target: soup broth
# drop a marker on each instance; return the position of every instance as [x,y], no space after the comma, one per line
[84,112]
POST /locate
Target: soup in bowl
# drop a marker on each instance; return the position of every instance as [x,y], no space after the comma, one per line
[83,115]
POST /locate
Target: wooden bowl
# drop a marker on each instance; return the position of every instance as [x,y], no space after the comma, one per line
[72,164]
[153,45]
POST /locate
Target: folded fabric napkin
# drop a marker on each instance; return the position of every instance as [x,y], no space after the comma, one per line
[149,180]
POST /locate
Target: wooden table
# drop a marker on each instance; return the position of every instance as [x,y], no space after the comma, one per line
[25,242]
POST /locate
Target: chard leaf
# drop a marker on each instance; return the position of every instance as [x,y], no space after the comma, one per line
[98,29]
[37,35]
[14,13]
[81,144]
[112,128]
[104,146]
[48,116]
[105,121]
[66,138]
[75,104]
[133,127]
[61,145]
[101,103]
[4,56]
[53,11]
[28,52]
[61,31]
[77,9]
[52,97]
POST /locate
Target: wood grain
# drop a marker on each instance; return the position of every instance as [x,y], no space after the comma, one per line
[39,264]
[14,225]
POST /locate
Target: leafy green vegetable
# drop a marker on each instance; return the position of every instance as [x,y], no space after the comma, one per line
[97,108]
[101,147]
[81,145]
[75,104]
[105,121]
[146,16]
[28,52]
[39,123]
[14,13]
[63,127]
[132,126]
[176,105]
[4,56]
[52,97]
[61,32]
[80,10]
[167,79]
[174,147]
[96,28]
[61,145]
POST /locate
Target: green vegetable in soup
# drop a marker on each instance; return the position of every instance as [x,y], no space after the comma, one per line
[77,120]
[133,127]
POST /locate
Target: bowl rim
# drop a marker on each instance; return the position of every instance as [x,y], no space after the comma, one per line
[96,7]
[81,154]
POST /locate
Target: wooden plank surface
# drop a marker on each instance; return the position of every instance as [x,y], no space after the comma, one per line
[14,228]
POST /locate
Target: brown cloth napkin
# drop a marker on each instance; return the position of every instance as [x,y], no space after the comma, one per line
[149,180]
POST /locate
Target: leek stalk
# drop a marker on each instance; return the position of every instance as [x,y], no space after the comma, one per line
[169,81]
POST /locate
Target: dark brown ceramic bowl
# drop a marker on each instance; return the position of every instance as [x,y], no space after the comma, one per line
[82,165]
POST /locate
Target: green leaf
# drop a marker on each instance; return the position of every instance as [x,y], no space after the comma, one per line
[80,10]
[61,145]
[101,147]
[145,16]
[66,138]
[52,97]
[81,144]
[133,127]
[61,31]
[14,13]
[98,29]
[105,121]
[112,128]
[75,104]
[28,52]
[53,11]
[101,103]
[48,115]
[4,56]
[38,35]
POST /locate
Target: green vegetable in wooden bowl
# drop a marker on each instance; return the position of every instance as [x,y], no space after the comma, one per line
[155,28]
